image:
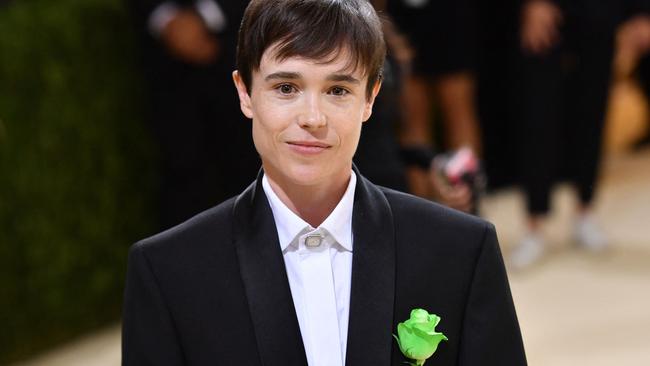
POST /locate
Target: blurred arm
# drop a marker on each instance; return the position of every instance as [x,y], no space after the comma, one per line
[187,30]
[210,12]
[161,16]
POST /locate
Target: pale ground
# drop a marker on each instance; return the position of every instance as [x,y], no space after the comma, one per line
[577,308]
[574,308]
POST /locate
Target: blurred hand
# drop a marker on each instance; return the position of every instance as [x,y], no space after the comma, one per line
[187,38]
[632,43]
[540,26]
[458,196]
[634,34]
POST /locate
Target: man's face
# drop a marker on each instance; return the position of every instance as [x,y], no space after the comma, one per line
[306,116]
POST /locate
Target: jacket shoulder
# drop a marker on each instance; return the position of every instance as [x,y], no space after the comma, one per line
[405,205]
[204,229]
[415,218]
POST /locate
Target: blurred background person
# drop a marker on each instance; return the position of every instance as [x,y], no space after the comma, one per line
[377,154]
[440,36]
[188,50]
[566,51]
[380,155]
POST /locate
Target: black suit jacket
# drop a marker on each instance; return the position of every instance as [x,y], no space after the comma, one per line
[214,291]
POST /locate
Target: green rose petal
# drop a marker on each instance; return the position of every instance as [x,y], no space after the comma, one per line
[434,319]
[418,338]
[415,344]
[419,315]
[427,327]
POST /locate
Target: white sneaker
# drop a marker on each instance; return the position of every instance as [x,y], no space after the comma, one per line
[589,235]
[529,250]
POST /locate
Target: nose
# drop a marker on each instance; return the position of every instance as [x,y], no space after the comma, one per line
[312,116]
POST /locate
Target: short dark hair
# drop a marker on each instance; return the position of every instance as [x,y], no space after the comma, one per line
[313,29]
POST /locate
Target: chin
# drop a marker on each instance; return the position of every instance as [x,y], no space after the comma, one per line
[306,174]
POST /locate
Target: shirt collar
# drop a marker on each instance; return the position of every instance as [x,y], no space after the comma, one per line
[289,225]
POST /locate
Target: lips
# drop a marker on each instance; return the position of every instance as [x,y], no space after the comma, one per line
[308,147]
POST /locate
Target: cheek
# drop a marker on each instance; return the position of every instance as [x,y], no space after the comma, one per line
[348,132]
[268,127]
[261,132]
[353,138]
[347,123]
[258,139]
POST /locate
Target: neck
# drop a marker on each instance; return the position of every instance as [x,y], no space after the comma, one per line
[312,203]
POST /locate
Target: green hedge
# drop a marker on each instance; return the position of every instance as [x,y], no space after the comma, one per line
[75,168]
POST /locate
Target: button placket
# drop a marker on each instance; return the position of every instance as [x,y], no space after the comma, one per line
[320,300]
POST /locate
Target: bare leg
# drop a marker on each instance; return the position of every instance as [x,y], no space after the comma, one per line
[416,127]
[416,107]
[456,92]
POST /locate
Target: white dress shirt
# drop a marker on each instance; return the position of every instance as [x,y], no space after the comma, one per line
[318,262]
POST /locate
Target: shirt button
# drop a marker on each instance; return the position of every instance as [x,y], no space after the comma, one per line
[313,241]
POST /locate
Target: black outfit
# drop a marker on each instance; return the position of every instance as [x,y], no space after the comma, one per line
[564,94]
[378,152]
[498,42]
[214,290]
[204,139]
[441,33]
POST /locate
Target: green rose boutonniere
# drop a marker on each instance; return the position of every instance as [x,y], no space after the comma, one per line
[417,337]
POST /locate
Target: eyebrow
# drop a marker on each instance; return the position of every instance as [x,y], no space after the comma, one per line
[344,78]
[284,75]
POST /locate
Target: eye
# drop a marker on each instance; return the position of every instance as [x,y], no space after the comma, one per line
[285,89]
[339,91]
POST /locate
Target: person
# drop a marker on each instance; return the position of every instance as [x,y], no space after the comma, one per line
[188,49]
[567,49]
[312,263]
[379,154]
[441,64]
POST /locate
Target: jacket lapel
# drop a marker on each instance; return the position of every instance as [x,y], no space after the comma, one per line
[370,338]
[265,280]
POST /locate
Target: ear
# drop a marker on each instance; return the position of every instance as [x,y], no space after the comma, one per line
[244,98]
[371,101]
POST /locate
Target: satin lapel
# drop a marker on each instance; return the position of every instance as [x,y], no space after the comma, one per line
[265,280]
[373,278]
